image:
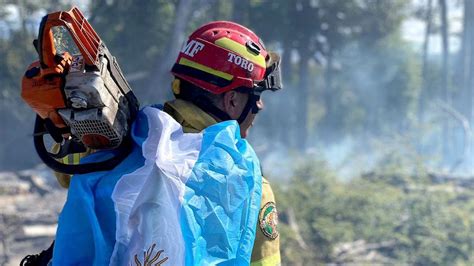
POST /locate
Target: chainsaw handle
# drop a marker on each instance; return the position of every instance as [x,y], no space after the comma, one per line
[46,49]
[81,31]
[121,153]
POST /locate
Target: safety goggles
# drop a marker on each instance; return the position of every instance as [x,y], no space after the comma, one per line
[272,78]
[271,81]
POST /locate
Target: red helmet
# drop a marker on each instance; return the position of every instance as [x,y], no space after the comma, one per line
[222,56]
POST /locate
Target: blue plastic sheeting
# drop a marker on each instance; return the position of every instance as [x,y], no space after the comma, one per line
[219,197]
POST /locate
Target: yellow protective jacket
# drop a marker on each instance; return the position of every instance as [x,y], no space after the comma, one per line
[266,250]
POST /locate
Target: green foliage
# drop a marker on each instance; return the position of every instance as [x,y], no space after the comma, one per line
[437,233]
[423,222]
[134,34]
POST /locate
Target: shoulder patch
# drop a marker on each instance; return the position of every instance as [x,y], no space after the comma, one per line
[268,220]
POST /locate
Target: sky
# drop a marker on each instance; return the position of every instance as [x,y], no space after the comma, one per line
[413,30]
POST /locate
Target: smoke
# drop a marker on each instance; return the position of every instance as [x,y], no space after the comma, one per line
[376,120]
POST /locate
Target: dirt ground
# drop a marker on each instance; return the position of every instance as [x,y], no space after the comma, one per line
[30,202]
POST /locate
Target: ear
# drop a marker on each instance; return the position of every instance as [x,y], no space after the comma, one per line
[232,104]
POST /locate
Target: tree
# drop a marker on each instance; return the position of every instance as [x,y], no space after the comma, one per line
[163,63]
[445,74]
[467,61]
[424,88]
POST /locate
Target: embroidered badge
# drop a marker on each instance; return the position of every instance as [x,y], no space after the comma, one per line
[148,259]
[268,220]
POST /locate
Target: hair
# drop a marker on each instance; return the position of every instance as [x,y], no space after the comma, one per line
[190,92]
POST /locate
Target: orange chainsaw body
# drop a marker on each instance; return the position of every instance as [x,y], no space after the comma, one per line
[43,81]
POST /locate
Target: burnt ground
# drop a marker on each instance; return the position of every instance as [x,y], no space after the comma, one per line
[30,202]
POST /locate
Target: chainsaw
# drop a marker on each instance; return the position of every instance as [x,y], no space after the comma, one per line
[82,100]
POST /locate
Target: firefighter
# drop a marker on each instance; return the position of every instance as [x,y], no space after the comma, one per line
[219,75]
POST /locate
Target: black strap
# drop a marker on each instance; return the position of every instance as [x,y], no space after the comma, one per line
[251,105]
[207,106]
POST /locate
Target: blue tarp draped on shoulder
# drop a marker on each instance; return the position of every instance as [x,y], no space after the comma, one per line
[195,197]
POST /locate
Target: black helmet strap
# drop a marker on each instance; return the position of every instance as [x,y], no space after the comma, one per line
[251,105]
[207,106]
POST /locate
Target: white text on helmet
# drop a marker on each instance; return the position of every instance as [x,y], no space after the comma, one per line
[192,47]
[243,63]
